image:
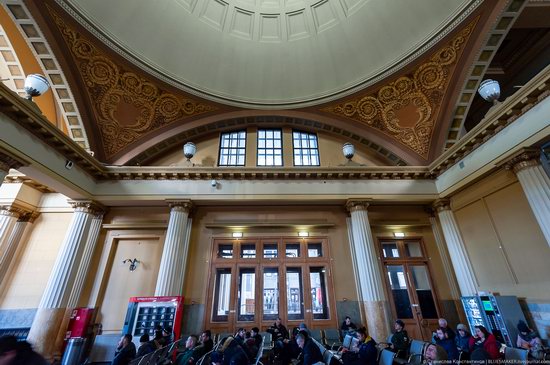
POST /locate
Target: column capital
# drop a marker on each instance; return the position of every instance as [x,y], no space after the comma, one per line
[87,206]
[524,158]
[441,204]
[29,217]
[180,205]
[357,204]
[8,162]
[13,211]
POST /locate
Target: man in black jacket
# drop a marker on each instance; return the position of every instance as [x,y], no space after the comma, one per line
[125,352]
[311,354]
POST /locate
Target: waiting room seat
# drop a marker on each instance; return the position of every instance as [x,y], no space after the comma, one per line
[416,351]
[347,341]
[317,335]
[386,357]
[332,339]
[518,356]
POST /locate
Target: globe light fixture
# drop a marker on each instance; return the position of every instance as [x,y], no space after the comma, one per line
[189,150]
[349,150]
[489,90]
[35,85]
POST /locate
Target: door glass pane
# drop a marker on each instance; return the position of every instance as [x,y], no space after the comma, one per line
[270,251]
[314,250]
[225,251]
[390,250]
[246,295]
[424,291]
[292,250]
[221,295]
[318,293]
[271,293]
[398,285]
[248,251]
[413,249]
[295,305]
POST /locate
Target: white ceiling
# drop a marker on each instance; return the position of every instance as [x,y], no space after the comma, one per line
[271,53]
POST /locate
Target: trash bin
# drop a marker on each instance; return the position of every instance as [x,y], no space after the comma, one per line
[73,352]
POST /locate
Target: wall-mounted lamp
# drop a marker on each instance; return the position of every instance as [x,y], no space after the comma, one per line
[303,234]
[237,234]
[189,150]
[398,234]
[489,90]
[35,85]
[133,263]
[348,150]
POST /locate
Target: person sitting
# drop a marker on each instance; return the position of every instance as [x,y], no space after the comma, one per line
[13,352]
[167,335]
[240,336]
[303,327]
[462,340]
[255,335]
[205,345]
[185,356]
[366,353]
[485,340]
[233,353]
[529,340]
[434,354]
[448,344]
[125,351]
[311,354]
[348,327]
[400,340]
[445,326]
[145,346]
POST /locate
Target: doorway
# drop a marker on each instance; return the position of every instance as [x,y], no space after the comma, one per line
[254,281]
[409,285]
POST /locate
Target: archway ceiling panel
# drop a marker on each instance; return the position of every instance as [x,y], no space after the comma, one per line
[407,108]
[128,107]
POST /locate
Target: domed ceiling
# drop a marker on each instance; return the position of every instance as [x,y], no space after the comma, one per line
[270,53]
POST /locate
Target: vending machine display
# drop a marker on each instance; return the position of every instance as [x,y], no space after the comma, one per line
[499,314]
[147,313]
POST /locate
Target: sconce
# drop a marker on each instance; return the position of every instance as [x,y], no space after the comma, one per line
[489,90]
[35,85]
[189,150]
[349,150]
[133,263]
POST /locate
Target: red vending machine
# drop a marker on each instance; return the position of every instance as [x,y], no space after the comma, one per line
[145,313]
[79,324]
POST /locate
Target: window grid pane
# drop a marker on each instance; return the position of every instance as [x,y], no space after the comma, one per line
[232,149]
[269,145]
[306,152]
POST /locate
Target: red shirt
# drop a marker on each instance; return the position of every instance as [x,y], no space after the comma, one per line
[490,345]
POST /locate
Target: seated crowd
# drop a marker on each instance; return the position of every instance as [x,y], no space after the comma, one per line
[299,348]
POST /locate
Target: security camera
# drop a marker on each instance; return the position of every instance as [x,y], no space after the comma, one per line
[214,183]
[69,164]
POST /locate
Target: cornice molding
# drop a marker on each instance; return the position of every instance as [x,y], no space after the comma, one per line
[8,161]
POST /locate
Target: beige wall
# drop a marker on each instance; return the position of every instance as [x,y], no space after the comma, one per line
[330,150]
[504,242]
[27,281]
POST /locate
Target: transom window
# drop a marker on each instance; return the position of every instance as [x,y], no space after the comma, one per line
[270,147]
[232,149]
[306,150]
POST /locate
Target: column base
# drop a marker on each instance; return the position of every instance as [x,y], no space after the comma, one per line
[378,319]
[62,331]
[44,331]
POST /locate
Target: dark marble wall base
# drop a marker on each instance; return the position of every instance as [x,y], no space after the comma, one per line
[193,319]
[17,318]
[348,308]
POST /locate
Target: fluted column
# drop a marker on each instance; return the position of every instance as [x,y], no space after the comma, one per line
[174,254]
[535,184]
[7,162]
[369,274]
[54,302]
[441,247]
[457,250]
[8,218]
[9,249]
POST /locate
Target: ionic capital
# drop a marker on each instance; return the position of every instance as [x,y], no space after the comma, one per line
[354,205]
[526,157]
[441,205]
[88,206]
[180,205]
